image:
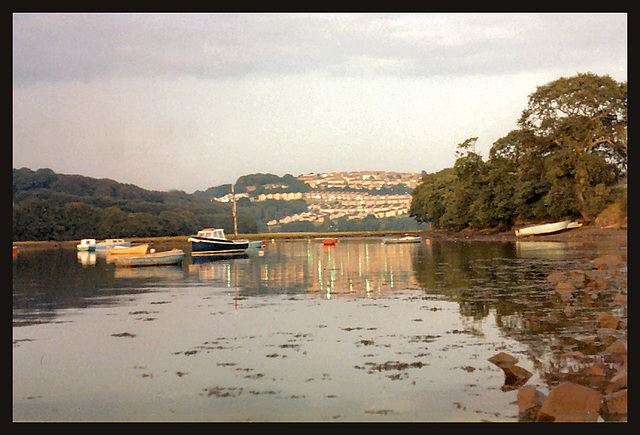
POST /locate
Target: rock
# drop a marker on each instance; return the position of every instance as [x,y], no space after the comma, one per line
[609,261]
[595,374]
[569,402]
[616,403]
[597,285]
[503,360]
[569,311]
[606,320]
[618,346]
[618,382]
[578,278]
[530,400]
[557,277]
[620,299]
[606,334]
[574,354]
[514,377]
[586,339]
[565,289]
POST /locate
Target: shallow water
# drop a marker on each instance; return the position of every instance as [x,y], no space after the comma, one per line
[356,332]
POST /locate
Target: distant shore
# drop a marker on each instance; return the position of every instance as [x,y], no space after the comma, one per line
[587,234]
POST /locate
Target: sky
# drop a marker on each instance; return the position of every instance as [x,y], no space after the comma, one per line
[191,101]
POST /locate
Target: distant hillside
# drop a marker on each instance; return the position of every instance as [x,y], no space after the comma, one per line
[255,184]
[51,206]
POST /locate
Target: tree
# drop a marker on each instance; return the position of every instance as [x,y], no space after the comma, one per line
[583,121]
[564,161]
[36,219]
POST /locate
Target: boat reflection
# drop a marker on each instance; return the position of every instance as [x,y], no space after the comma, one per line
[156,272]
[86,258]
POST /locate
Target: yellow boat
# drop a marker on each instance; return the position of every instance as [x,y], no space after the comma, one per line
[128,250]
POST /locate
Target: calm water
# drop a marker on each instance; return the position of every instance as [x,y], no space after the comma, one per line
[360,331]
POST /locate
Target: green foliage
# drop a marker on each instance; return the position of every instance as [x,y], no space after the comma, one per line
[50,206]
[564,161]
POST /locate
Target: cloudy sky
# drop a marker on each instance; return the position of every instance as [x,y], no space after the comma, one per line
[190,101]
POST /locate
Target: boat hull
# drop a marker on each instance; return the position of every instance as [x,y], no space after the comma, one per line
[407,239]
[203,246]
[128,250]
[174,256]
[546,228]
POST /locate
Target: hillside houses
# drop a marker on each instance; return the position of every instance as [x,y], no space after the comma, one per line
[351,195]
[366,180]
[336,205]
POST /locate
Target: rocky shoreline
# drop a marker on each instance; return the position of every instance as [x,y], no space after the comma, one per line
[594,386]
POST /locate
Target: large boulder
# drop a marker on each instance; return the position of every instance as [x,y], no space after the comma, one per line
[615,404]
[609,261]
[569,402]
[530,400]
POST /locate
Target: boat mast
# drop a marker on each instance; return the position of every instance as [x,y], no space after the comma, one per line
[235,223]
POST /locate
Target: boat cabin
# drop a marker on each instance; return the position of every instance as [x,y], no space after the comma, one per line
[212,233]
[113,242]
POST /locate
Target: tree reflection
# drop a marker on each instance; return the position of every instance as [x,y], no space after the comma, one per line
[509,281]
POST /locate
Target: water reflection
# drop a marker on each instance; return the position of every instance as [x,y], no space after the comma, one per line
[355,268]
[478,275]
[359,304]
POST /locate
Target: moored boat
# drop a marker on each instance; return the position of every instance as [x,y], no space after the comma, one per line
[329,242]
[128,250]
[111,243]
[406,239]
[87,245]
[164,258]
[547,228]
[212,241]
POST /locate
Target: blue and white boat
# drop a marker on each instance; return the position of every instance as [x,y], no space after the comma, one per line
[111,243]
[212,241]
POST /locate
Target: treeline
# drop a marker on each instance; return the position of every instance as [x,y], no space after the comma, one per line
[567,159]
[50,206]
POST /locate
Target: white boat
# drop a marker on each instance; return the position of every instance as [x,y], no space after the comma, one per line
[406,239]
[165,258]
[87,245]
[111,243]
[547,228]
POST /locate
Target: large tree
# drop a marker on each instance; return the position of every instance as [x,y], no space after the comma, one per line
[582,120]
[564,160]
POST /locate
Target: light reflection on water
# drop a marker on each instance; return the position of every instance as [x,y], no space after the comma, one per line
[302,332]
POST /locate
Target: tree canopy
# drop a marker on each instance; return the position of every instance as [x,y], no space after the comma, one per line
[50,206]
[564,160]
